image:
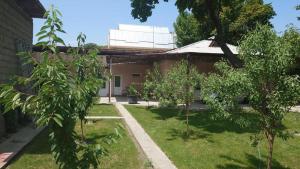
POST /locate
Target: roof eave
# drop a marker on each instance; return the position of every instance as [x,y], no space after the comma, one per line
[33,8]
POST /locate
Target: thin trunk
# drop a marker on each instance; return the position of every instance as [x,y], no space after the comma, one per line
[81,126]
[187,103]
[220,38]
[187,112]
[270,138]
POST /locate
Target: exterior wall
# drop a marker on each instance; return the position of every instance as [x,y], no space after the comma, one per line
[203,64]
[15,33]
[126,71]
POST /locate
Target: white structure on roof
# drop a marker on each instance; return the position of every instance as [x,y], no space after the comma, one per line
[204,46]
[141,36]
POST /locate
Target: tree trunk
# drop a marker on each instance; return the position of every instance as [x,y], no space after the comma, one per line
[81,127]
[187,113]
[270,138]
[220,38]
[187,97]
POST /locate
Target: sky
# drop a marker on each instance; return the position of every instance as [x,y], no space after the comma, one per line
[96,17]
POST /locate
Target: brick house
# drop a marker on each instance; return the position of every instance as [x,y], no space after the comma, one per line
[16,32]
[130,66]
[133,50]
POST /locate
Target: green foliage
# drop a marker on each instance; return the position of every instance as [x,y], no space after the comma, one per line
[176,87]
[132,91]
[292,36]
[264,79]
[179,83]
[189,30]
[63,93]
[237,17]
[152,83]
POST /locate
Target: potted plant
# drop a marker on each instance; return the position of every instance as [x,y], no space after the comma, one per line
[132,94]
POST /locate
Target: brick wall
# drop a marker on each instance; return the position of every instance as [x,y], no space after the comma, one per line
[15,34]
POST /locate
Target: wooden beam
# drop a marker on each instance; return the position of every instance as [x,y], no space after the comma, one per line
[109,82]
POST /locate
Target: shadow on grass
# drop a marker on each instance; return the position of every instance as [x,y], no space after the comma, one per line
[193,134]
[203,120]
[253,163]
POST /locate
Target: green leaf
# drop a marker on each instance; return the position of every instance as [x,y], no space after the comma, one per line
[41,32]
[17,96]
[58,121]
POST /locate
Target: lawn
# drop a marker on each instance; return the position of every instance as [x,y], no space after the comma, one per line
[214,144]
[103,110]
[122,155]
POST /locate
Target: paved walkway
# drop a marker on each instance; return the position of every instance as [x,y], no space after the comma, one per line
[124,101]
[158,158]
[13,145]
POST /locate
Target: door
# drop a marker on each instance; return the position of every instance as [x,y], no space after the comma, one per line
[104,89]
[117,85]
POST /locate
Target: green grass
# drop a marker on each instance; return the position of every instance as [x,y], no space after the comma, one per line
[214,144]
[103,110]
[122,155]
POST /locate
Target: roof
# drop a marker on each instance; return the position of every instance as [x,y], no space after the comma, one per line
[34,8]
[204,47]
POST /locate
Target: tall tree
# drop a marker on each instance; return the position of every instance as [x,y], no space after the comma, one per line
[189,30]
[292,36]
[228,17]
[264,79]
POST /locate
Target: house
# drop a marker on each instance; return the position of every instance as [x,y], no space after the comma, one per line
[16,27]
[133,50]
[128,64]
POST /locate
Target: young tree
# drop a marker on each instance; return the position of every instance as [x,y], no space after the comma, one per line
[230,19]
[188,30]
[264,79]
[62,91]
[178,86]
[152,83]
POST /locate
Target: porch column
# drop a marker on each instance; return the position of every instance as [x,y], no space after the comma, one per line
[109,82]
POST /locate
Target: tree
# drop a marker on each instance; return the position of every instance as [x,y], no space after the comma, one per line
[228,18]
[89,73]
[152,83]
[264,79]
[292,36]
[61,88]
[189,30]
[178,85]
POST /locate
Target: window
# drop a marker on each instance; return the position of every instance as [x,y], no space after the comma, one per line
[136,75]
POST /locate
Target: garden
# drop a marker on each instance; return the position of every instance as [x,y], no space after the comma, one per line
[226,135]
[121,154]
[215,143]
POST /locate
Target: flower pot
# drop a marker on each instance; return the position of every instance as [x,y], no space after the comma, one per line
[132,99]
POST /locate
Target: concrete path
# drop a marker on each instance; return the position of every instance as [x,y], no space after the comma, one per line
[158,158]
[123,100]
[13,145]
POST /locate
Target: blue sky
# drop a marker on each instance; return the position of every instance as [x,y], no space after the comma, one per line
[96,17]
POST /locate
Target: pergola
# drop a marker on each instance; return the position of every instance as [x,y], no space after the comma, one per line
[116,56]
[123,55]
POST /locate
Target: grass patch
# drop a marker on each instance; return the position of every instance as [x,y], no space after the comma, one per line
[214,144]
[122,155]
[103,110]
